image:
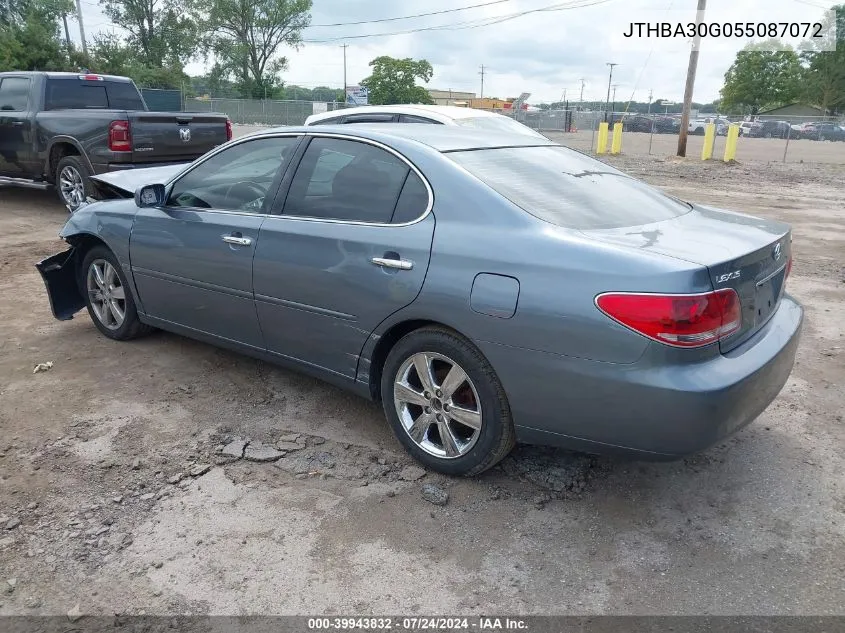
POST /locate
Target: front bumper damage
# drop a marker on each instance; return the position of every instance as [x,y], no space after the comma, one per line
[59,273]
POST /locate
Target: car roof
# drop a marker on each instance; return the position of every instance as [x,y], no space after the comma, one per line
[440,138]
[443,113]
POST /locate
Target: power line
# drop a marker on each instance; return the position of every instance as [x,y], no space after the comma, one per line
[408,17]
[471,24]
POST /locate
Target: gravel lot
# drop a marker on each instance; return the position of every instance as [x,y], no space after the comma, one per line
[116,493]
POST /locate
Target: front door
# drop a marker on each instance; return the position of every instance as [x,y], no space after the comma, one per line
[192,258]
[350,248]
[16,150]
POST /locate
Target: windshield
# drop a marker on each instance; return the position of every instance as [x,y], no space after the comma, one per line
[568,189]
[498,123]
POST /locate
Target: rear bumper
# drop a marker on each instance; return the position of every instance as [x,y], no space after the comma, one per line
[650,409]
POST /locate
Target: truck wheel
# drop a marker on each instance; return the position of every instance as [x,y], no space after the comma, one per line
[73,182]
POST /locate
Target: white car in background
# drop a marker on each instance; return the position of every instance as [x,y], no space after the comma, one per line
[441,115]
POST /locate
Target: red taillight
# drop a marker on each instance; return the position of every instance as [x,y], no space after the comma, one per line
[120,139]
[228,129]
[91,77]
[678,320]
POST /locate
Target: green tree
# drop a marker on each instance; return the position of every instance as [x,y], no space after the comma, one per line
[394,81]
[30,36]
[245,37]
[164,32]
[761,76]
[825,74]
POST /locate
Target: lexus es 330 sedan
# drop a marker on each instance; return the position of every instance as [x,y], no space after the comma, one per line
[486,288]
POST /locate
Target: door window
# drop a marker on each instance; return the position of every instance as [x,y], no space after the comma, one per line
[368,118]
[410,118]
[346,180]
[14,94]
[236,179]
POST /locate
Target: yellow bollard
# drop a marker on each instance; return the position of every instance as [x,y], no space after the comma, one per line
[730,143]
[617,138]
[709,136]
[601,147]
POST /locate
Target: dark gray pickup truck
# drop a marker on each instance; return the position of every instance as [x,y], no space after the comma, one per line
[61,128]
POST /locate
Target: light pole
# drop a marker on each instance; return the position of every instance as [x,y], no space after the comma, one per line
[609,79]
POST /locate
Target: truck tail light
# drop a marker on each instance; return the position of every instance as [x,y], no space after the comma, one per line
[120,138]
[228,129]
[676,320]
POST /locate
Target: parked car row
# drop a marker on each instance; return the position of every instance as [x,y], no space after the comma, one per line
[783,129]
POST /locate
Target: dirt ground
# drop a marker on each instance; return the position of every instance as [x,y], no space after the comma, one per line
[116,494]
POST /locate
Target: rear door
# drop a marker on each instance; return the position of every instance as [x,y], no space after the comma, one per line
[16,147]
[350,248]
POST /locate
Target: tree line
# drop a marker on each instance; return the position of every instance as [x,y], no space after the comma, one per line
[766,74]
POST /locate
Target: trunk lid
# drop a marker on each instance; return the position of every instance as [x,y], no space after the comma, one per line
[741,252]
[159,137]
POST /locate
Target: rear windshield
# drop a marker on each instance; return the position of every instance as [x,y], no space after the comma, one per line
[81,94]
[498,123]
[568,189]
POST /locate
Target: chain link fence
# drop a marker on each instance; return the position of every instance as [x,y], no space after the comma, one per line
[262,112]
[767,138]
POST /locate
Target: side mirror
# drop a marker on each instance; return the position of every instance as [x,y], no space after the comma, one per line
[149,196]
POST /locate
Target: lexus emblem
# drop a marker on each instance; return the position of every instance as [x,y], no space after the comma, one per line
[776,252]
[185,135]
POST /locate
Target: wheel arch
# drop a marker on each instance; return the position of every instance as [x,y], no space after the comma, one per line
[59,147]
[386,342]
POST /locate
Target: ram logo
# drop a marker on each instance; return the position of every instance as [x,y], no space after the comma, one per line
[727,277]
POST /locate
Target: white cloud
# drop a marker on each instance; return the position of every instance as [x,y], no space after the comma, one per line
[543,53]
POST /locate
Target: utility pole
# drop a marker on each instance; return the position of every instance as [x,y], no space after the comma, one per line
[67,32]
[650,93]
[81,28]
[609,79]
[693,65]
[345,98]
[613,102]
[482,82]
[582,91]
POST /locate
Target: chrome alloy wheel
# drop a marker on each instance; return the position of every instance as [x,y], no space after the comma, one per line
[107,295]
[71,186]
[437,405]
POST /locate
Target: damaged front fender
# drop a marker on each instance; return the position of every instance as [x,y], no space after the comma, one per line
[59,273]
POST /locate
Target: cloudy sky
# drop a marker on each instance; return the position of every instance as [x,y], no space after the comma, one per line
[538,46]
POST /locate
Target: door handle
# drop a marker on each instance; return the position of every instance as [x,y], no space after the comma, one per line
[401,264]
[237,241]
[17,123]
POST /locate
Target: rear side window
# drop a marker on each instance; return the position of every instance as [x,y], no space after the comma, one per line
[123,95]
[413,201]
[75,94]
[346,180]
[14,94]
[368,118]
[410,118]
[569,189]
[330,121]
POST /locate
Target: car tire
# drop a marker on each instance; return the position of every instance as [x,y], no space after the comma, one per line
[73,182]
[476,393]
[108,297]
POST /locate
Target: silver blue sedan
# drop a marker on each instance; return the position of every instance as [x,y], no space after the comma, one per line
[486,288]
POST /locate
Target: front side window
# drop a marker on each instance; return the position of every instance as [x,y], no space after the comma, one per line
[235,179]
[346,180]
[568,189]
[14,94]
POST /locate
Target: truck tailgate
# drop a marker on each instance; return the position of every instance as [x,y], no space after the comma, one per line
[159,137]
